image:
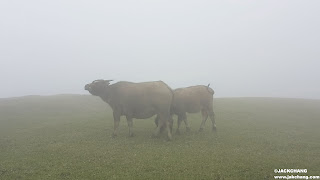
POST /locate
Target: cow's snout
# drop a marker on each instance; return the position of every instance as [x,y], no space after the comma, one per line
[87,87]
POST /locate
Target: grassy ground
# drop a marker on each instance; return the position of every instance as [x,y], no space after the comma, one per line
[69,137]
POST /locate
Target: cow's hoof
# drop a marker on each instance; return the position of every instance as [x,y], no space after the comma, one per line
[161,129]
[113,135]
[131,135]
[154,136]
[188,129]
[201,130]
[214,129]
[177,132]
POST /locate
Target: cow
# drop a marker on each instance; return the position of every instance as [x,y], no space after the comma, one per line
[135,100]
[192,99]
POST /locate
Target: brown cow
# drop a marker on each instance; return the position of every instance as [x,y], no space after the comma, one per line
[193,99]
[135,100]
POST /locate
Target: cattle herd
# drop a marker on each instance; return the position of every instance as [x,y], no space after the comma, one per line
[146,99]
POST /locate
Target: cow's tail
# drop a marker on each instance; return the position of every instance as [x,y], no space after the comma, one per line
[210,90]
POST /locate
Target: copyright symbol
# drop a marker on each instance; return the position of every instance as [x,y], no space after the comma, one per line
[275,171]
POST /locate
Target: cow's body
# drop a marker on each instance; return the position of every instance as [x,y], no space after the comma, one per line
[192,99]
[135,100]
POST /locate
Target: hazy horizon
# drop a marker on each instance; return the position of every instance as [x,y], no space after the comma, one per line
[242,48]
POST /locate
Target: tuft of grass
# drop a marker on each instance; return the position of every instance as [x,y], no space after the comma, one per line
[69,137]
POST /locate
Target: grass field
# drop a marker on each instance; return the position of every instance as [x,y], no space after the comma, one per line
[69,137]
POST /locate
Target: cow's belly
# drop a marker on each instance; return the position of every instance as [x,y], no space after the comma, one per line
[142,112]
[143,115]
[192,108]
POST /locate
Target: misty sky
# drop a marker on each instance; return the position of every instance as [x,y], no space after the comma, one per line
[268,48]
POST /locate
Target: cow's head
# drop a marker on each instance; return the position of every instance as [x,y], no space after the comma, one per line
[97,87]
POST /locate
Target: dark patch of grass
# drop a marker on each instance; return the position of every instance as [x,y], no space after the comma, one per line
[69,137]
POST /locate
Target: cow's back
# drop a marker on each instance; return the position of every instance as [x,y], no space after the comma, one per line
[192,99]
[141,99]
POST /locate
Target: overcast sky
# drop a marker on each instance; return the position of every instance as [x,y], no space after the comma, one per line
[268,48]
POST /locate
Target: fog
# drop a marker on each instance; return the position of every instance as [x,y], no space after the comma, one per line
[243,48]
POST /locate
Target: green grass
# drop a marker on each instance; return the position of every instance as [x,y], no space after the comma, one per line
[69,137]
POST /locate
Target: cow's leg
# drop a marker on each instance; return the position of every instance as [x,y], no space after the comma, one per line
[159,120]
[211,114]
[181,117]
[185,120]
[169,126]
[116,121]
[164,122]
[171,123]
[156,121]
[179,123]
[204,119]
[130,125]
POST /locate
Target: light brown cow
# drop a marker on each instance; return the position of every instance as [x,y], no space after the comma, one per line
[135,100]
[193,99]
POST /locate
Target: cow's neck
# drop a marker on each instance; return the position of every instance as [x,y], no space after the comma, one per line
[106,95]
